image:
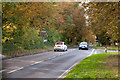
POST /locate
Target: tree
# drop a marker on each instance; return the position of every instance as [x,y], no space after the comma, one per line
[22,23]
[103,19]
[72,23]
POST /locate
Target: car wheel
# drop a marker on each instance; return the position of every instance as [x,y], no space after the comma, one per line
[79,48]
[66,49]
[54,50]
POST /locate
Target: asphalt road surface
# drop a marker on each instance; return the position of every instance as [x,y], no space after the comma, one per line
[45,65]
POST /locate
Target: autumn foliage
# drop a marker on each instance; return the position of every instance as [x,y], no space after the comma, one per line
[22,23]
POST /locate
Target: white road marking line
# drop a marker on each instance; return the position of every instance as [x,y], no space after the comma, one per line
[36,62]
[28,65]
[91,52]
[15,70]
[23,67]
[52,57]
[62,75]
[2,71]
[95,52]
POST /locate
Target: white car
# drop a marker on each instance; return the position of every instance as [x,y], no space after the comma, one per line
[60,46]
[83,45]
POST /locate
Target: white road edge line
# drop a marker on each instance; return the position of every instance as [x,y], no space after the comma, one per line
[61,76]
[91,52]
[15,70]
[95,52]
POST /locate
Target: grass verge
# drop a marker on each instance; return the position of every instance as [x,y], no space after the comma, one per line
[12,54]
[96,66]
[109,48]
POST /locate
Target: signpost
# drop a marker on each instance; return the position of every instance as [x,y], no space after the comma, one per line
[44,35]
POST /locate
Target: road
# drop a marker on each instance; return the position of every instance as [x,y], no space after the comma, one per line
[45,65]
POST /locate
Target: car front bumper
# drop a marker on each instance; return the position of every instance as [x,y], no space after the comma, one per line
[83,47]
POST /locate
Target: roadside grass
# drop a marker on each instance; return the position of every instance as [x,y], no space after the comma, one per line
[109,48]
[96,66]
[12,54]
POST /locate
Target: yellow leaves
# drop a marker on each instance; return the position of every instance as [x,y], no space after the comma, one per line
[7,38]
[94,20]
[107,32]
[3,40]
[11,38]
[3,6]
[9,27]
[14,27]
[29,11]
[110,23]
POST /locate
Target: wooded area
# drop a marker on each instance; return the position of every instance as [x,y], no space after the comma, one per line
[104,21]
[22,23]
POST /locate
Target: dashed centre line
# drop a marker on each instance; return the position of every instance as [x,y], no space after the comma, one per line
[38,62]
[15,70]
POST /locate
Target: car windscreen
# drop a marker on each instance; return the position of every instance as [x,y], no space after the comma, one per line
[83,43]
[59,43]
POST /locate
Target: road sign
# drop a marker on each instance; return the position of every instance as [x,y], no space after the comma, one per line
[44,34]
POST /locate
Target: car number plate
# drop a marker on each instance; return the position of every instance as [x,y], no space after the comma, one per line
[58,46]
